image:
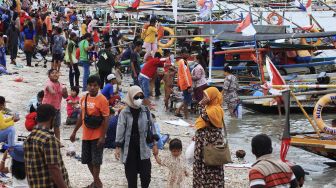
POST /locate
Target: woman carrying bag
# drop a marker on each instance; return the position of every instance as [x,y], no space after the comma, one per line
[71,60]
[134,134]
[207,171]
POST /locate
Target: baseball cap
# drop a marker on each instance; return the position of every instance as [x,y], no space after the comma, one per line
[110,77]
[17,153]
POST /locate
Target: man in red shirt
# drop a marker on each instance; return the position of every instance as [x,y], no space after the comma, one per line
[147,73]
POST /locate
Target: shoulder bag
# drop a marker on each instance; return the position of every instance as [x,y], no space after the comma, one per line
[217,155]
[90,121]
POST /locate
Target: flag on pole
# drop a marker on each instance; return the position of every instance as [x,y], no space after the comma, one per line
[174,5]
[136,4]
[113,3]
[285,141]
[206,7]
[307,8]
[274,76]
[246,26]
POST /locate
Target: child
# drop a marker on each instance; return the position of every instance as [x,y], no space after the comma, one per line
[73,106]
[16,166]
[53,93]
[176,165]
[168,79]
[110,90]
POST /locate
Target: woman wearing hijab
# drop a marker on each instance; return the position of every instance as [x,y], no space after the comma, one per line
[131,146]
[209,132]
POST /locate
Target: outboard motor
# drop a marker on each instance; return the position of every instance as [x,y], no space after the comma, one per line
[322,78]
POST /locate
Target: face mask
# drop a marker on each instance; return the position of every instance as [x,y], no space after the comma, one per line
[138,102]
[115,86]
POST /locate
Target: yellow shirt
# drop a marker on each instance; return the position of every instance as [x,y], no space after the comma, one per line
[151,33]
[5,122]
[83,29]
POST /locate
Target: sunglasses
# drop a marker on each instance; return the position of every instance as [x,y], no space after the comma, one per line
[138,97]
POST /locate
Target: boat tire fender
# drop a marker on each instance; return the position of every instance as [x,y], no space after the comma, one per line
[303,41]
[322,102]
[274,14]
[170,42]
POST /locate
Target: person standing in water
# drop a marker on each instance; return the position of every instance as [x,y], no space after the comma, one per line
[230,91]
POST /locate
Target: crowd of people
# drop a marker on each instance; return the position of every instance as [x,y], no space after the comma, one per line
[131,130]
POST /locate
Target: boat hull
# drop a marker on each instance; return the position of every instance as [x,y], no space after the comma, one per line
[325,148]
[260,108]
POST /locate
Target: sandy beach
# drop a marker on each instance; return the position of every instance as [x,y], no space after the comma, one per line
[112,172]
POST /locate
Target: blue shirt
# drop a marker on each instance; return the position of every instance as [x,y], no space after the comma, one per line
[29,34]
[107,91]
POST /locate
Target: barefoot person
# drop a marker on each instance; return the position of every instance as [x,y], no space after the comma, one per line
[93,106]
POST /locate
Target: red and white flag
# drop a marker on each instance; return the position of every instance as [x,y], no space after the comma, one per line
[309,7]
[136,4]
[112,3]
[274,75]
[246,27]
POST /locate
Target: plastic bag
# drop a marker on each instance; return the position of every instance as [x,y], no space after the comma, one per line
[189,154]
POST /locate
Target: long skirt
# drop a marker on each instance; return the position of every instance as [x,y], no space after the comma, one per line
[207,176]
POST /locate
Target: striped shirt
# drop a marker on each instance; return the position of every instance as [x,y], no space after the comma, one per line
[270,172]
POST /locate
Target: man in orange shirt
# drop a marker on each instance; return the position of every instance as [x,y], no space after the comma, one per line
[184,82]
[94,106]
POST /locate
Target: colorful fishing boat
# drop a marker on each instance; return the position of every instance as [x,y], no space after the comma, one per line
[321,142]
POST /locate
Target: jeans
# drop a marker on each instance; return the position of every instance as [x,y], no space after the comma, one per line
[145,86]
[74,73]
[86,74]
[8,136]
[29,56]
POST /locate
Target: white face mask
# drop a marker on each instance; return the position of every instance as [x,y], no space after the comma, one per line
[115,86]
[138,102]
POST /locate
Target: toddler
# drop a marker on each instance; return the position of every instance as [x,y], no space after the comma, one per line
[176,165]
[73,103]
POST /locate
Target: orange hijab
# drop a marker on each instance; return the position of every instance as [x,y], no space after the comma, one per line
[213,109]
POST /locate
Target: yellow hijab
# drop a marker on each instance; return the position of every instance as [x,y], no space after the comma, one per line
[213,109]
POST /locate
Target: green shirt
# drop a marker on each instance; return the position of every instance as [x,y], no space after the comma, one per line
[83,53]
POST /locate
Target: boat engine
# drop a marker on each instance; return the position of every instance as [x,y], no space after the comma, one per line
[322,78]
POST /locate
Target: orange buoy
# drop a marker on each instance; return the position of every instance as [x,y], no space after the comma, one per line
[279,19]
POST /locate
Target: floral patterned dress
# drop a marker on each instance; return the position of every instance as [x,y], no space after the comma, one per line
[207,176]
[177,171]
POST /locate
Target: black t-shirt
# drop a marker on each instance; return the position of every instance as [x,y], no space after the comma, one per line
[106,60]
[135,60]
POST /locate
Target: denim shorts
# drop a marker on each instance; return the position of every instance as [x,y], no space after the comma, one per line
[187,98]
[145,86]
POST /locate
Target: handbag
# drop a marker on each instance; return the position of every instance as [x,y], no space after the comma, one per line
[150,138]
[90,121]
[217,155]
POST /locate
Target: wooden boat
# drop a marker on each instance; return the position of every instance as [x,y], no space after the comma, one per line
[264,106]
[316,142]
[280,5]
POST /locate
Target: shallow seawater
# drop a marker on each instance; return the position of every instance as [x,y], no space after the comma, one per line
[241,132]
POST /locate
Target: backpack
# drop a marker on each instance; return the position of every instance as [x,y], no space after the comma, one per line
[30,121]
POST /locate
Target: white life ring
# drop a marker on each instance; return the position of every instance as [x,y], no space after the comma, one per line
[322,102]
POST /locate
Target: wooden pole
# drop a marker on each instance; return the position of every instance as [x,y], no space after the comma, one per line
[301,86]
[306,115]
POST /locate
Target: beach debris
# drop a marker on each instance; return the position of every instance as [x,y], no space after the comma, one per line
[178,122]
